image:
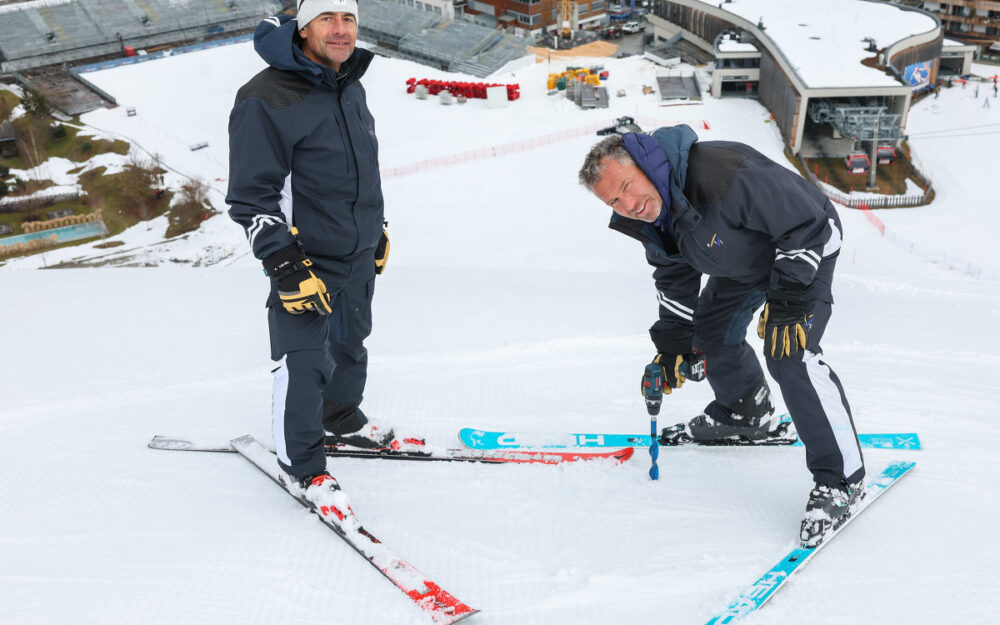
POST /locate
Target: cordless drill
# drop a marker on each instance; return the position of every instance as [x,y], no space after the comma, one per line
[692,368]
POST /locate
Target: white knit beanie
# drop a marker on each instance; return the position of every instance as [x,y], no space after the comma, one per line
[311,9]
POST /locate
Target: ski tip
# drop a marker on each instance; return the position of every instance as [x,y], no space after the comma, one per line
[242,442]
[443,607]
[453,614]
[619,456]
[623,454]
[471,437]
[460,617]
[900,440]
[898,469]
[167,442]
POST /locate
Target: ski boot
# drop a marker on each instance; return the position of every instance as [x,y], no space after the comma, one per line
[370,434]
[828,509]
[323,492]
[752,422]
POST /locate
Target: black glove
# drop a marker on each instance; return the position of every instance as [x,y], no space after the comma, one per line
[298,287]
[382,252]
[784,324]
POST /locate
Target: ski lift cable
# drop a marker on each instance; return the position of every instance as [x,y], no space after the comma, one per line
[970,134]
[929,132]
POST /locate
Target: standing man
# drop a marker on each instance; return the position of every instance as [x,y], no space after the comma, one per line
[764,236]
[304,184]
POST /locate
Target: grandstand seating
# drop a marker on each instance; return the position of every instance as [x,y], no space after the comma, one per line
[36,34]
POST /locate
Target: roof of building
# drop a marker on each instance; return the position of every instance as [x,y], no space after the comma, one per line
[824,40]
[727,44]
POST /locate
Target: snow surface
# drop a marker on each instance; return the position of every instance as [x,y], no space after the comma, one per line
[507,304]
[823,39]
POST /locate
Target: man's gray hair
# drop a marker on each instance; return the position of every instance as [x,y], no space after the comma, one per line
[611,146]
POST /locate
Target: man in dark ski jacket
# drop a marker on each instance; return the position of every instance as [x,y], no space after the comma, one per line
[304,184]
[764,236]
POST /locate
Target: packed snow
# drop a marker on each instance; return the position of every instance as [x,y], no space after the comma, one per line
[507,304]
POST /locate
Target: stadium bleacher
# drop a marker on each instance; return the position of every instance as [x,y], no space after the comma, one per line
[37,33]
[424,37]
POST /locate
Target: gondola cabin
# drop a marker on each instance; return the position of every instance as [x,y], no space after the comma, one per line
[857,163]
[885,154]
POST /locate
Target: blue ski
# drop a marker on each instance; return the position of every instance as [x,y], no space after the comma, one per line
[484,439]
[754,596]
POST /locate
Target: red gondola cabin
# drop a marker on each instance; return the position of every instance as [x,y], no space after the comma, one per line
[857,163]
[885,154]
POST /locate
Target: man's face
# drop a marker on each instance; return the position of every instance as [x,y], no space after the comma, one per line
[628,191]
[329,39]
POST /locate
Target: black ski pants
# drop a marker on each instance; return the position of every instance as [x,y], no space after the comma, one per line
[322,368]
[812,391]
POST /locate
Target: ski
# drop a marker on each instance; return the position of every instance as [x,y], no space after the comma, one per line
[486,456]
[442,607]
[487,440]
[754,596]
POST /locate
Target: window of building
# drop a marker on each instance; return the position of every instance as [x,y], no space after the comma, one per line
[482,7]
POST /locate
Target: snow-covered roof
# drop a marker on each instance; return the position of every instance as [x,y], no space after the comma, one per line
[823,40]
[951,43]
[733,45]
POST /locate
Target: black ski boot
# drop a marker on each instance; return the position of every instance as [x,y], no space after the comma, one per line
[829,508]
[751,422]
[347,425]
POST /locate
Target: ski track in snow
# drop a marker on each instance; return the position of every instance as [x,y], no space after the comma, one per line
[507,304]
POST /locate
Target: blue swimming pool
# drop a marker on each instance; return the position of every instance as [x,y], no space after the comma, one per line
[64,234]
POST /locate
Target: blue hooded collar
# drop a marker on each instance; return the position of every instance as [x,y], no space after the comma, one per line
[652,160]
[276,41]
[663,156]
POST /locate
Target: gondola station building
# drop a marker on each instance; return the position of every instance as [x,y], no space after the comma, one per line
[835,74]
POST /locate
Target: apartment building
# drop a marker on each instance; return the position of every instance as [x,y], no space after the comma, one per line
[972,21]
[535,16]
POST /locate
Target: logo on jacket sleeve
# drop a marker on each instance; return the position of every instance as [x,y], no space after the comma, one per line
[715,242]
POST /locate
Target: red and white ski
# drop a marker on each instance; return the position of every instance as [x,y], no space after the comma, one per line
[443,607]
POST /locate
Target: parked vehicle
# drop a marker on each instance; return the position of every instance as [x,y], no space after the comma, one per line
[612,32]
[632,27]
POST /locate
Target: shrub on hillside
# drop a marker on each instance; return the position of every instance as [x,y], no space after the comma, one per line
[35,104]
[138,188]
[192,208]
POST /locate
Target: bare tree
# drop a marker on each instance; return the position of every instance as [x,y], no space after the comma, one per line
[191,208]
[138,189]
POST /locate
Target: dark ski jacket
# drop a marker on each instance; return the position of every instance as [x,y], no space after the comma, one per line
[733,213]
[303,153]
